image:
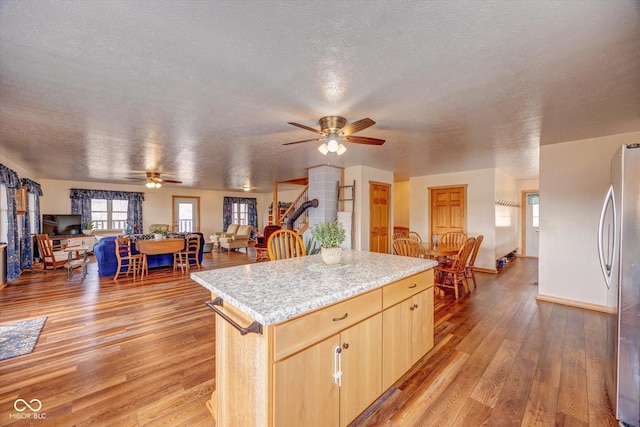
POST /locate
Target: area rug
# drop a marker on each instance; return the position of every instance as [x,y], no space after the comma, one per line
[19,338]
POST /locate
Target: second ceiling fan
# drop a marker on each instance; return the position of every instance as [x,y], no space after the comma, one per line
[335,128]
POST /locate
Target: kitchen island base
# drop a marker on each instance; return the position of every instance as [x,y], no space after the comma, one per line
[324,367]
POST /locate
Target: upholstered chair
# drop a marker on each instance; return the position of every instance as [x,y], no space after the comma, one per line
[239,239]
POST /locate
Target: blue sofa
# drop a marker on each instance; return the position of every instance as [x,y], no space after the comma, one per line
[105,252]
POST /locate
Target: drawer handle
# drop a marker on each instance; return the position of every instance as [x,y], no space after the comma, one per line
[337,319]
[415,285]
[255,327]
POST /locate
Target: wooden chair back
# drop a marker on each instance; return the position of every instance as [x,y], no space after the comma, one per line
[460,262]
[408,247]
[188,255]
[284,244]
[453,238]
[415,236]
[45,246]
[474,252]
[126,260]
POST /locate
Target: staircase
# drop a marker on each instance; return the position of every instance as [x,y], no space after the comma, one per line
[301,224]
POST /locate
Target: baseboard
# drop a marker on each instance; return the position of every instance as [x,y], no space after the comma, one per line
[572,303]
[486,270]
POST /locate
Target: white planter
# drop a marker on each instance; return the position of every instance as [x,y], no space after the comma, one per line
[87,232]
[158,236]
[331,256]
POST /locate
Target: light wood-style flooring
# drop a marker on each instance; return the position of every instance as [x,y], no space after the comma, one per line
[141,353]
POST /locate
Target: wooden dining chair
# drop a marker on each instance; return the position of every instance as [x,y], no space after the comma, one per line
[470,270]
[189,254]
[127,261]
[284,244]
[408,247]
[415,236]
[454,275]
[454,238]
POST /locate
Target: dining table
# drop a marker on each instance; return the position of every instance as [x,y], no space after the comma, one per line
[156,247]
[440,249]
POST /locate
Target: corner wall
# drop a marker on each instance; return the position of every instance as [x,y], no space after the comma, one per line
[574,177]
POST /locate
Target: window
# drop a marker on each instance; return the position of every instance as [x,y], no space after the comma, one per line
[240,214]
[535,215]
[32,213]
[109,214]
[4,213]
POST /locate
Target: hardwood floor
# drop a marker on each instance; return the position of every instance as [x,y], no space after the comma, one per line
[142,354]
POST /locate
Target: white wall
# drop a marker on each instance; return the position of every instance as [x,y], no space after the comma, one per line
[362,176]
[574,177]
[480,207]
[401,196]
[22,172]
[507,218]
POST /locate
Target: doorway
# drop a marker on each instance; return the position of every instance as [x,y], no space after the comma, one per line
[186,214]
[379,208]
[530,223]
[448,209]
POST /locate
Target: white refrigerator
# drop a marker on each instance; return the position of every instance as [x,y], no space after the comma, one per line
[619,253]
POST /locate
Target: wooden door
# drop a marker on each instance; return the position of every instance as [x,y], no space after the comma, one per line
[379,224]
[396,342]
[361,366]
[304,396]
[448,209]
[421,324]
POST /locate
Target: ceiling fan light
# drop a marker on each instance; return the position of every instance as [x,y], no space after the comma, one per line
[324,149]
[246,188]
[149,184]
[341,149]
[158,185]
[332,145]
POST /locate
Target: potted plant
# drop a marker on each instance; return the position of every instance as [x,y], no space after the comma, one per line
[158,233]
[87,227]
[329,235]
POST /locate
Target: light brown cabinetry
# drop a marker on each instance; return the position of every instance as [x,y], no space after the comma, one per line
[408,325]
[343,381]
[322,368]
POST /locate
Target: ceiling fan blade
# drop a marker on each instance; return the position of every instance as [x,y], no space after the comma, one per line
[363,140]
[171,181]
[135,178]
[305,127]
[357,126]
[306,140]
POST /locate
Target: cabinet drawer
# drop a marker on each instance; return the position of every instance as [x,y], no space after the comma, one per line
[406,288]
[298,333]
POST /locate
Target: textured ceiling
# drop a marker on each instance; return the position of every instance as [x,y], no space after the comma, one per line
[93,91]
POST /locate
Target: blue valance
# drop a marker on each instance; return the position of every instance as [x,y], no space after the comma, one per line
[9,177]
[79,193]
[32,186]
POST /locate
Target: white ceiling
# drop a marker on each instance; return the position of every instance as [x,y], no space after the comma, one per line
[92,90]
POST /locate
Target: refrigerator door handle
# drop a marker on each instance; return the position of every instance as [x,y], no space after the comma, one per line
[607,264]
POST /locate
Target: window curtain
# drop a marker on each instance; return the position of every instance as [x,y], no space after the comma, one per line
[227,210]
[26,249]
[10,179]
[81,205]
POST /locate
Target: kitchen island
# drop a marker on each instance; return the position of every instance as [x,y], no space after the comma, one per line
[301,343]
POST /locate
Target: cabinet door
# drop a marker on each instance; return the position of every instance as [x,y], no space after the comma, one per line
[421,324]
[396,342]
[305,392]
[361,367]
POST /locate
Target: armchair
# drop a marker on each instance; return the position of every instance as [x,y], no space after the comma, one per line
[215,237]
[240,239]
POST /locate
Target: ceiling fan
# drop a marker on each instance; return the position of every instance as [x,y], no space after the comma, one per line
[334,129]
[154,180]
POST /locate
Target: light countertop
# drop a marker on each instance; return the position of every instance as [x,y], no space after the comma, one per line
[271,292]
